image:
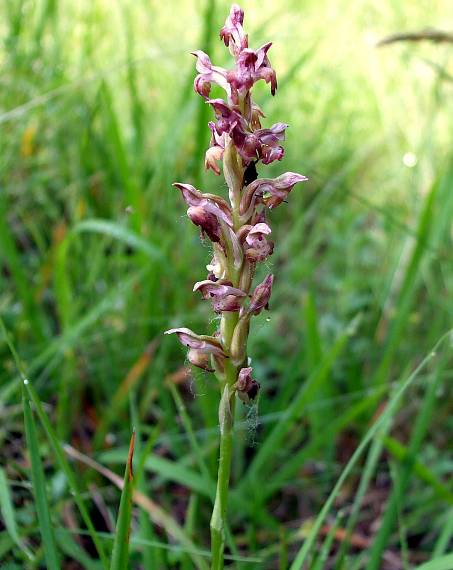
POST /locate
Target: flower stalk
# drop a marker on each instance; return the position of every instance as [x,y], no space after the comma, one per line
[238,230]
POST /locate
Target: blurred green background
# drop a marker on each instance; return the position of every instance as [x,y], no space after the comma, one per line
[97,118]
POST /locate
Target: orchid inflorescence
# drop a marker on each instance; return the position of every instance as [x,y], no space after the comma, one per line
[238,230]
[239,233]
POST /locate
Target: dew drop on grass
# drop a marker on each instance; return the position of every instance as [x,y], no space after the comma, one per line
[409,159]
[110,438]
[25,381]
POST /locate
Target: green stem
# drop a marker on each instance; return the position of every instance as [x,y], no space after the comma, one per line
[218,519]
[233,172]
[226,419]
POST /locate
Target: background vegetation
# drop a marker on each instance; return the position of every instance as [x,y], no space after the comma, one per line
[97,119]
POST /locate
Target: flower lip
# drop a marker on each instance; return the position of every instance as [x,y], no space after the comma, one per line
[260,228]
[257,247]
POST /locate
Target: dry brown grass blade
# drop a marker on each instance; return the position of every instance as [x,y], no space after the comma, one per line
[134,374]
[436,36]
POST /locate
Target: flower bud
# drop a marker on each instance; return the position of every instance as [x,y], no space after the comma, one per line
[232,33]
[261,296]
[217,267]
[247,388]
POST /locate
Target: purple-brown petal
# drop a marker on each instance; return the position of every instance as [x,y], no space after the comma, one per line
[208,222]
[257,247]
[190,194]
[270,191]
[210,289]
[270,154]
[204,343]
[229,303]
[223,295]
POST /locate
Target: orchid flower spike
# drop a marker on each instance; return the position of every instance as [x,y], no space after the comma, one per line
[238,228]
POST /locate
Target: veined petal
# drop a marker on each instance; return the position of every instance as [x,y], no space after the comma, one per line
[203,343]
[210,289]
[277,189]
[208,74]
[211,203]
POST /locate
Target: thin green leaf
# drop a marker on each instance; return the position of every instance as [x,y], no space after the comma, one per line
[401,453]
[120,554]
[445,536]
[442,563]
[266,452]
[39,488]
[65,467]
[69,546]
[370,434]
[28,389]
[396,497]
[9,518]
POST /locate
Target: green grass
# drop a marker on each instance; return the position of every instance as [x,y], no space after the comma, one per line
[97,259]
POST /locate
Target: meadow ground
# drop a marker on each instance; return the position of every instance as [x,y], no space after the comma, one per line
[352,432]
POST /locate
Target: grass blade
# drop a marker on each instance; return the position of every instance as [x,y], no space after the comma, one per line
[445,536]
[65,467]
[408,288]
[277,435]
[442,563]
[120,554]
[391,512]
[402,454]
[9,518]
[12,258]
[28,389]
[369,436]
[39,488]
[156,513]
